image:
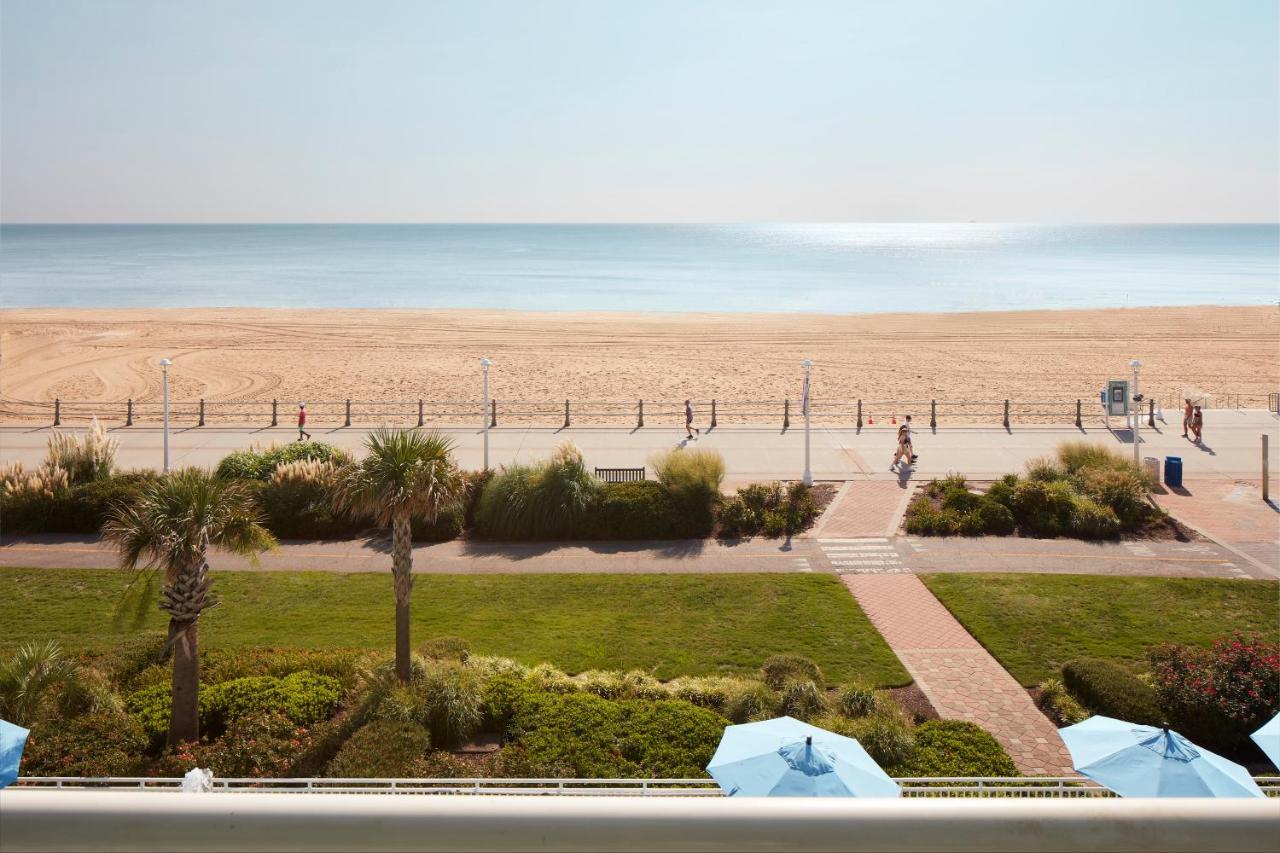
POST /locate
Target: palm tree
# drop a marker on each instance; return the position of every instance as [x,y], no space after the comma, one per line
[406,474]
[36,679]
[170,528]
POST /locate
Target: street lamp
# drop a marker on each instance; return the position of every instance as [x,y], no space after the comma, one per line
[164,366]
[484,411]
[804,403]
[1137,412]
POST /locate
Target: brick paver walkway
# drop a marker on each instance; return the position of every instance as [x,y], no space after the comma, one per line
[865,508]
[960,678]
[1232,512]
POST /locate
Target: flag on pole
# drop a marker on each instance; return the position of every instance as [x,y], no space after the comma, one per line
[804,397]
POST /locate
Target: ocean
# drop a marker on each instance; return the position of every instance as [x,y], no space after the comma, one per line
[824,268]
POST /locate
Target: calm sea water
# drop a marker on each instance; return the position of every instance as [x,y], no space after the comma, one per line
[829,268]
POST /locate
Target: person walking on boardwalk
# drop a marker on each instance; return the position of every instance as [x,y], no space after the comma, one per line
[1197,424]
[905,450]
[1187,415]
[689,428]
[302,423]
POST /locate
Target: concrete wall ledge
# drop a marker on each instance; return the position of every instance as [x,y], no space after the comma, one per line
[143,821]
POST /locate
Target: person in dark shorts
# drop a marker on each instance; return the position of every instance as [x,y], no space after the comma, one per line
[689,428]
[302,422]
[1197,424]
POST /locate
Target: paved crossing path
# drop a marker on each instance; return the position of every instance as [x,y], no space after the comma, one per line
[955,672]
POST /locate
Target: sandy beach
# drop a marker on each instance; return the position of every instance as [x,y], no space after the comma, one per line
[256,354]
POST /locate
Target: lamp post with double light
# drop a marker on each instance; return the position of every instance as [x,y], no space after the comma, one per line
[484,411]
[164,382]
[804,401]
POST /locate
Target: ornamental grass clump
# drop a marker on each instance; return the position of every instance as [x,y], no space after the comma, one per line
[779,670]
[85,457]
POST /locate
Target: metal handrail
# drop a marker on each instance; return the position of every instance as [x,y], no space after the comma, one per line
[913,786]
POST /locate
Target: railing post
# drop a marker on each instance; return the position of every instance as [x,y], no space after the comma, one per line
[1266,467]
[128,413]
[1151,413]
[566,414]
[786,414]
[640,418]
[493,413]
[933,414]
[713,413]
[201,412]
[57,412]
[421,413]
[1079,422]
[275,411]
[859,414]
[348,423]
[1006,414]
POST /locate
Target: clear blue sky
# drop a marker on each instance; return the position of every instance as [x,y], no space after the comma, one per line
[306,110]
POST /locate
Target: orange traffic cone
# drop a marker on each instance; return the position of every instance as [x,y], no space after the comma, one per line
[870,419]
[894,419]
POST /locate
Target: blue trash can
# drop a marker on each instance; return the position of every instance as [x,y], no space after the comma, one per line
[1173,472]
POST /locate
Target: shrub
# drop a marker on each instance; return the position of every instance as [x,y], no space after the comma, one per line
[563,493]
[669,738]
[577,730]
[346,665]
[37,504]
[1059,705]
[1044,470]
[1044,509]
[85,457]
[449,703]
[754,703]
[886,736]
[302,697]
[995,518]
[505,508]
[503,696]
[513,762]
[260,465]
[101,743]
[1107,688]
[1001,490]
[445,648]
[778,670]
[380,749]
[1076,456]
[1122,490]
[258,745]
[922,519]
[639,510]
[1218,696]
[125,661]
[1091,521]
[296,508]
[954,748]
[802,700]
[857,700]
[768,508]
[693,478]
[449,524]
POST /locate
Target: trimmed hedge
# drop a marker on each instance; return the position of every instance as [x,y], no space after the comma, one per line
[302,697]
[1109,689]
[639,510]
[383,748]
[955,748]
[261,464]
[602,738]
[103,743]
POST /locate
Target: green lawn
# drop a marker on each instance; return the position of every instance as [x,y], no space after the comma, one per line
[669,624]
[1034,623]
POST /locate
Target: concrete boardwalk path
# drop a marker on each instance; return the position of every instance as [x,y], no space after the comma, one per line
[839,452]
[960,678]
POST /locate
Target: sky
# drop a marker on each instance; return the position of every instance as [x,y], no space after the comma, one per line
[653,111]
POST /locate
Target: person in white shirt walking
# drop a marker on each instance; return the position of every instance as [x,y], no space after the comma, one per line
[689,428]
[905,450]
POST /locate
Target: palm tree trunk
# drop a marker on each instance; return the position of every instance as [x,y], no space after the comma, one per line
[402,574]
[184,722]
[184,599]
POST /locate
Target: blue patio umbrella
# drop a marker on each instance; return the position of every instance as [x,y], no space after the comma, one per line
[1268,739]
[785,757]
[1142,761]
[12,741]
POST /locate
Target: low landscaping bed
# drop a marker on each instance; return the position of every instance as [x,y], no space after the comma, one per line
[342,713]
[1085,492]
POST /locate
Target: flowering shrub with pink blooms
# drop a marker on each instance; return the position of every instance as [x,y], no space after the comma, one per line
[1218,696]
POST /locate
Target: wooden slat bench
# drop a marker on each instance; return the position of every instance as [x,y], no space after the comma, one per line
[620,475]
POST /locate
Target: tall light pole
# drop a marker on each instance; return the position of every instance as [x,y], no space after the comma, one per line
[1137,413]
[804,401]
[484,411]
[164,367]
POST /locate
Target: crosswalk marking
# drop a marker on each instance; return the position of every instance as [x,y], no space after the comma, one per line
[871,555]
[802,564]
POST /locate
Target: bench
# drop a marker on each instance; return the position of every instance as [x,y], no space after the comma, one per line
[620,475]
